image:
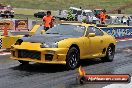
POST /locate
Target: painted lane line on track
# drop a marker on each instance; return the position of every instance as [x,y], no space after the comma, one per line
[118,40]
[4,53]
[129,85]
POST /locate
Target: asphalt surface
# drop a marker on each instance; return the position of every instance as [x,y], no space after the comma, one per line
[13,75]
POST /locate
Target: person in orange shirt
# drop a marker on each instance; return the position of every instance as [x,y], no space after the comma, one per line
[102,17]
[48,21]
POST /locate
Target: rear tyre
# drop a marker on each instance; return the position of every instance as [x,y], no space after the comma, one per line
[23,62]
[109,54]
[72,58]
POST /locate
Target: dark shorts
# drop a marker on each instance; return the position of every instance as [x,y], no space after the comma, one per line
[46,28]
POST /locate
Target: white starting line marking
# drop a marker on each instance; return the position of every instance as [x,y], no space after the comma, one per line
[4,53]
[123,40]
[129,85]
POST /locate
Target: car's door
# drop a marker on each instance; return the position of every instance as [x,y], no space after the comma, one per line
[102,38]
[95,43]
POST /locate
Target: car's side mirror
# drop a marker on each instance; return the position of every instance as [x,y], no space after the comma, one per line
[91,35]
[42,31]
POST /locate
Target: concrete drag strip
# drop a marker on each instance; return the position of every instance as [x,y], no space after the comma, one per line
[14,75]
[129,85]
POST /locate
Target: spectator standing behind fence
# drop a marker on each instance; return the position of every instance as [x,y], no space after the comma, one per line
[48,21]
[128,21]
[124,20]
[102,17]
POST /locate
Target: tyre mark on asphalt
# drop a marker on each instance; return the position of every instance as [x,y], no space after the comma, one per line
[47,82]
[110,67]
[108,70]
[45,78]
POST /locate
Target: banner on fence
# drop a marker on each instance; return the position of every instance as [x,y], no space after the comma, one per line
[16,24]
[119,32]
[7,23]
[21,25]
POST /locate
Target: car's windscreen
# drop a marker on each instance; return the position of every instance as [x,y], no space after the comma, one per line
[89,14]
[66,29]
[40,12]
[79,12]
[98,11]
[2,7]
[74,11]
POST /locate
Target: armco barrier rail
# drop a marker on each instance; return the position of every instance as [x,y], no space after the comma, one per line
[119,32]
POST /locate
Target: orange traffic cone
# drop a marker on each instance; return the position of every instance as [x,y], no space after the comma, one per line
[5,31]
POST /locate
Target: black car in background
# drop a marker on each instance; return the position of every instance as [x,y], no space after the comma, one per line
[7,14]
[40,14]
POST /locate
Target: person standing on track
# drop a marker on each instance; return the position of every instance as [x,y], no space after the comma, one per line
[48,21]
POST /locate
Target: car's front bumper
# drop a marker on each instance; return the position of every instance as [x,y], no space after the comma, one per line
[47,55]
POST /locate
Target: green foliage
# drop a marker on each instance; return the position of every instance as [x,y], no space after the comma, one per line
[70,17]
[65,4]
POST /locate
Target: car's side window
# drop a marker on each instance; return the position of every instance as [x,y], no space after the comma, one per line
[95,30]
[90,30]
[98,32]
[84,14]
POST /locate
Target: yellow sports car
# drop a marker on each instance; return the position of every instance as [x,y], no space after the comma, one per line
[65,43]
